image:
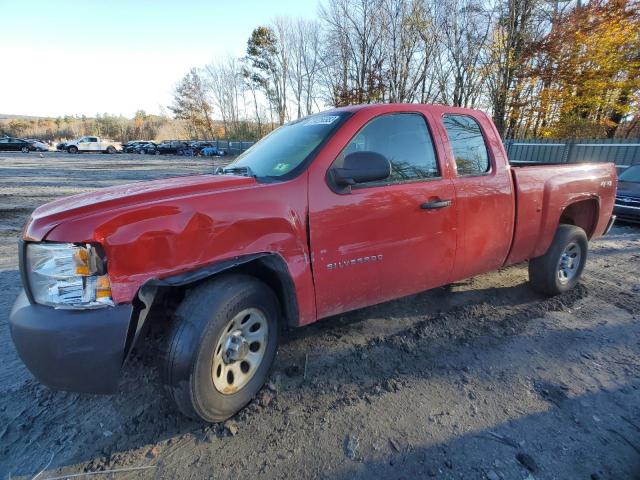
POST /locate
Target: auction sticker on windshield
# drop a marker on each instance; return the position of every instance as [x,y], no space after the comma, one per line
[323,120]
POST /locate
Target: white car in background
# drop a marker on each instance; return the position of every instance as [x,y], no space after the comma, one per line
[40,146]
[93,144]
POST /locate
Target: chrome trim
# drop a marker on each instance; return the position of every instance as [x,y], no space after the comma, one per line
[626,206]
[607,145]
[612,220]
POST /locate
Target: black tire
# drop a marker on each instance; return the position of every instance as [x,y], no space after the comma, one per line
[111,150]
[544,271]
[72,149]
[24,149]
[201,321]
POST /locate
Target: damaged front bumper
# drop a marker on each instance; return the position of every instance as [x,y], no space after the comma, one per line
[73,350]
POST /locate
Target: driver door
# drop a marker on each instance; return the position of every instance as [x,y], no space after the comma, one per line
[384,240]
[83,144]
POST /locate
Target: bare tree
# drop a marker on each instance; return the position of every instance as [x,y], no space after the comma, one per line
[311,63]
[355,33]
[515,28]
[224,78]
[463,27]
[304,64]
[282,27]
[408,45]
[191,103]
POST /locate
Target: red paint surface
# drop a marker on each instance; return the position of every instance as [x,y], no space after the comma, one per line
[162,228]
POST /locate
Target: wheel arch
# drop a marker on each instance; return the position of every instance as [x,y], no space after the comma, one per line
[167,292]
[583,214]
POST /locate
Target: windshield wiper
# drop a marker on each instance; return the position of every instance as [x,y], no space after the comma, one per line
[246,171]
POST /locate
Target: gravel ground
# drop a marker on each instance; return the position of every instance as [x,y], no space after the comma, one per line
[479,379]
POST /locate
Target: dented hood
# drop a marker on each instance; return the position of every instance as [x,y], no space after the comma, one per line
[48,216]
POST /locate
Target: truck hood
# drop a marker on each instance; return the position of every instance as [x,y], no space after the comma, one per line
[48,216]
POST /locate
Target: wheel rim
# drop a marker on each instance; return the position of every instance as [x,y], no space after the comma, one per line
[240,351]
[569,263]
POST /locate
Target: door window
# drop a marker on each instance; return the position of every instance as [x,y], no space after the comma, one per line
[467,144]
[404,139]
[92,139]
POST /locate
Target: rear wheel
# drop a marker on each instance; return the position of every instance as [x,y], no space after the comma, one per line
[221,346]
[24,149]
[111,150]
[561,267]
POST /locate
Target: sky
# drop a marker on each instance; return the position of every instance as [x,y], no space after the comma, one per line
[61,57]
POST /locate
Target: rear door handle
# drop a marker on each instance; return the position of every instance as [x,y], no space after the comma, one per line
[435,204]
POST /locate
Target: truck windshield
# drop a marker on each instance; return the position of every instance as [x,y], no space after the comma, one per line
[287,147]
[631,174]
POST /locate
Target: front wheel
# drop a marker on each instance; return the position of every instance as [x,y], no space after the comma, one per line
[221,346]
[72,149]
[24,149]
[561,267]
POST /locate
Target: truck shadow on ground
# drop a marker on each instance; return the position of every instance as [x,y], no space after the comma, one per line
[428,343]
[532,444]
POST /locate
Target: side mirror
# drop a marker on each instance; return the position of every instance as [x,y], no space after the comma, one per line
[361,167]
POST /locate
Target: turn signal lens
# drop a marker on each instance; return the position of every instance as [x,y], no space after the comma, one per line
[103,287]
[81,260]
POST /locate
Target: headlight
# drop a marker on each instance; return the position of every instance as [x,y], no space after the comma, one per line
[65,275]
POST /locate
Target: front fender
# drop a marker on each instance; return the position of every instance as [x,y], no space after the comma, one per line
[175,236]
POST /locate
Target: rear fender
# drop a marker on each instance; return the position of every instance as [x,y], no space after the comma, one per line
[580,210]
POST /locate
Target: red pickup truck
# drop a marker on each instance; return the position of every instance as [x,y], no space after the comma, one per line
[330,213]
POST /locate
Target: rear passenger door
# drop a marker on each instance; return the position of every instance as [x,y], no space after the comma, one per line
[93,145]
[385,239]
[484,192]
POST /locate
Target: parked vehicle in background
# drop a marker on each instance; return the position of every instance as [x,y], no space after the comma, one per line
[11,144]
[61,146]
[145,147]
[92,144]
[330,213]
[208,149]
[129,147]
[212,151]
[190,150]
[627,206]
[175,147]
[39,144]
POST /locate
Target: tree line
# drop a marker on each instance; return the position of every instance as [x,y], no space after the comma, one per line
[141,126]
[541,68]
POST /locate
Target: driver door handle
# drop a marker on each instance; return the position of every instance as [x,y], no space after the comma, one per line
[435,204]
